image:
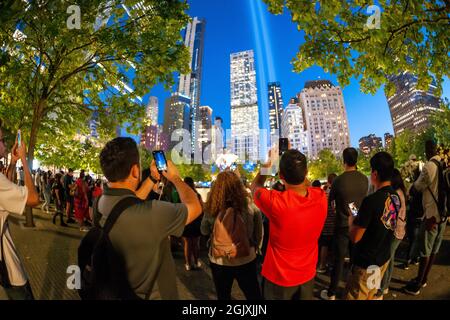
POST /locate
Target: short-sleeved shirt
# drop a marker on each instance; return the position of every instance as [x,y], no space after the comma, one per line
[379,217]
[68,180]
[295,226]
[351,186]
[141,236]
[12,200]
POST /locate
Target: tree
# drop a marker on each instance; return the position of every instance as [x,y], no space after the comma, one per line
[325,164]
[340,37]
[53,74]
[440,124]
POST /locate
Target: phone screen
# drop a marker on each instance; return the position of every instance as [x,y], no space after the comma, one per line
[283,145]
[19,138]
[160,160]
[353,209]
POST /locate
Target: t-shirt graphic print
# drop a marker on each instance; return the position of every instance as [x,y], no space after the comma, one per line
[390,213]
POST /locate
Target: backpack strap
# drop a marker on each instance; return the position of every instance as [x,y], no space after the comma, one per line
[120,207]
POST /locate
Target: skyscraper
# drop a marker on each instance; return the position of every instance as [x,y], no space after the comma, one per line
[244,106]
[176,115]
[151,113]
[293,126]
[410,107]
[369,143]
[388,140]
[205,127]
[190,84]
[326,118]
[275,108]
[217,138]
[149,137]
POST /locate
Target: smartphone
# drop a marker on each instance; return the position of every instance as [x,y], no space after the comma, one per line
[160,160]
[19,138]
[283,145]
[233,166]
[353,209]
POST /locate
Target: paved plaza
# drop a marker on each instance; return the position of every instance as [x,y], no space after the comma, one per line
[48,250]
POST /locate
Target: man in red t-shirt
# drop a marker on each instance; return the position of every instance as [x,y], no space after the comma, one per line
[296,218]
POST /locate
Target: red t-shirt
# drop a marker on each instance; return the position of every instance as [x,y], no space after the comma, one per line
[295,226]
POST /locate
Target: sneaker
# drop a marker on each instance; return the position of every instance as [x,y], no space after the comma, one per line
[324,295]
[412,288]
[423,284]
[321,270]
[198,265]
[70,220]
[84,229]
[87,223]
[346,259]
[404,266]
[187,267]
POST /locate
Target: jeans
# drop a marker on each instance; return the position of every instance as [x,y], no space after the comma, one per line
[300,292]
[390,269]
[47,197]
[341,248]
[245,275]
[412,229]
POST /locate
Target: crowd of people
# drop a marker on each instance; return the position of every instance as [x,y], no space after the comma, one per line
[65,195]
[295,228]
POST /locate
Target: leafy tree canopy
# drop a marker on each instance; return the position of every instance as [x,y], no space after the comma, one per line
[412,36]
[53,79]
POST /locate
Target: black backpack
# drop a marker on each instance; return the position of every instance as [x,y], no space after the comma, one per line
[415,210]
[103,271]
[443,199]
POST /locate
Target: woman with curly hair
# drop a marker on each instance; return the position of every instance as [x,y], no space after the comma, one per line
[228,193]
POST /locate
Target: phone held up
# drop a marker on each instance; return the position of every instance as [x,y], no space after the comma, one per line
[283,145]
[19,138]
[160,160]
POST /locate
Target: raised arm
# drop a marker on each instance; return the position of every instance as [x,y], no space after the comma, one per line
[20,153]
[187,196]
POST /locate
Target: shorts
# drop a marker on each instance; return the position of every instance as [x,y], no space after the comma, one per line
[361,285]
[429,242]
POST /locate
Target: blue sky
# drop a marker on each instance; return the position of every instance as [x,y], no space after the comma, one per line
[230,28]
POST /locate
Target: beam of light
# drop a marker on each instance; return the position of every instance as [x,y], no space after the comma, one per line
[265,66]
[269,61]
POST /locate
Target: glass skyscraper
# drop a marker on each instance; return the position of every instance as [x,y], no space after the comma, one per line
[244,106]
[410,107]
[275,108]
[190,84]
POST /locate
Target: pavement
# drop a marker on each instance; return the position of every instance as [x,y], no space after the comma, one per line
[48,250]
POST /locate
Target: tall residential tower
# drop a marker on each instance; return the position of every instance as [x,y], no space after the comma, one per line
[326,118]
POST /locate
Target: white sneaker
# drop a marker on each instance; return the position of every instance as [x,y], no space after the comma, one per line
[198,264]
[187,267]
[324,295]
[386,291]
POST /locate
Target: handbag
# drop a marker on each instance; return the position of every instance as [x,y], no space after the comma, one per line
[4,277]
